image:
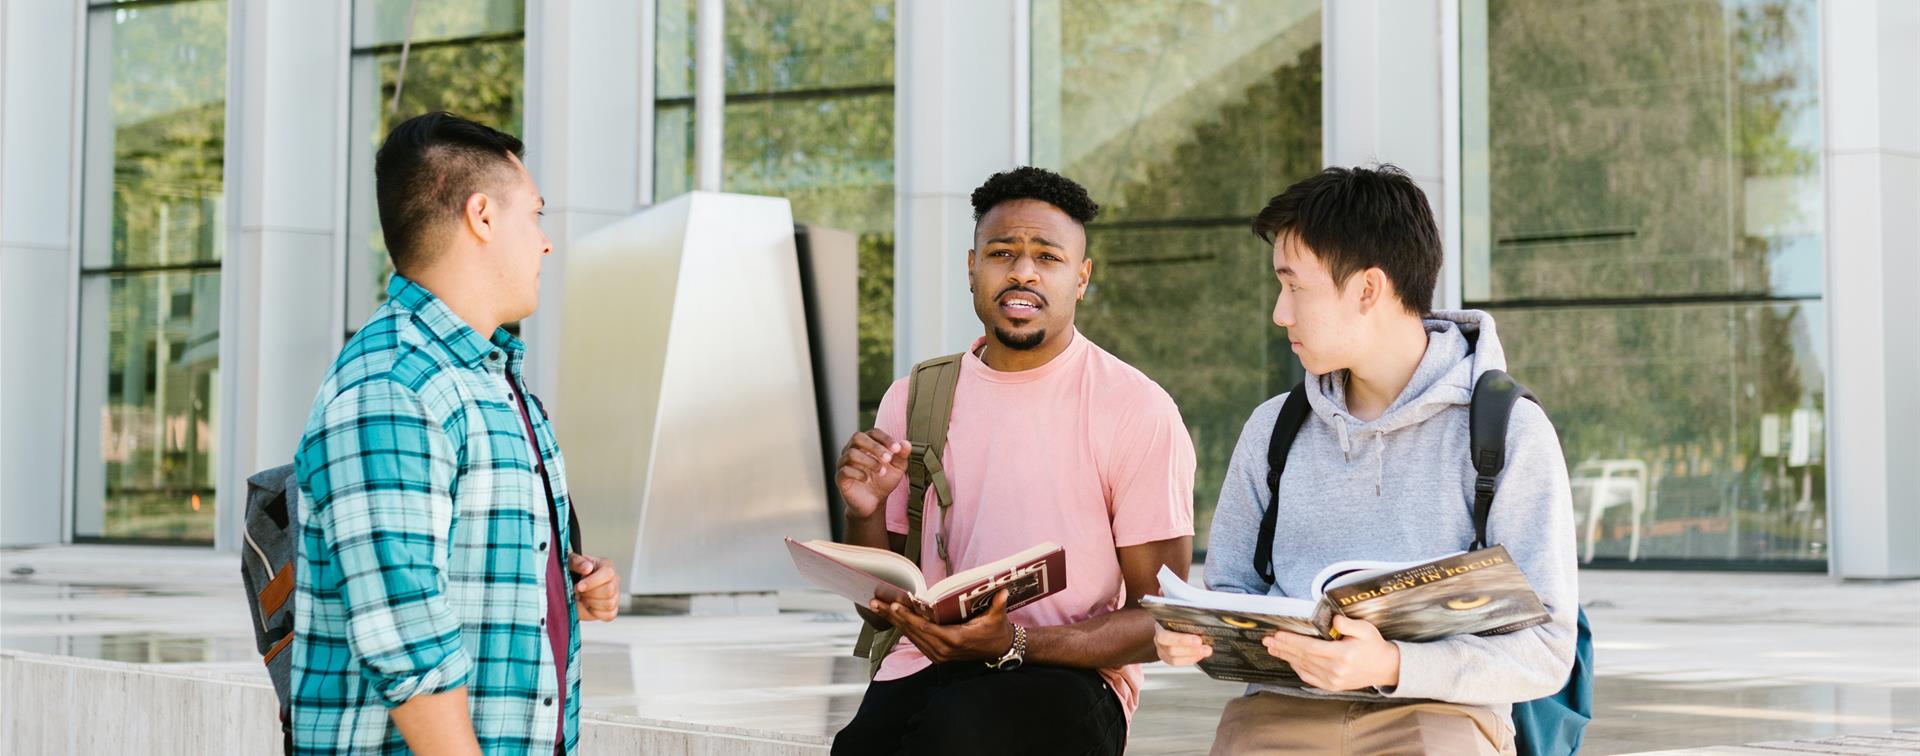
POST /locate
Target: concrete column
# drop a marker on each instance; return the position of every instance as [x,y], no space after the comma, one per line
[956,122]
[1390,94]
[40,75]
[585,68]
[1872,125]
[281,281]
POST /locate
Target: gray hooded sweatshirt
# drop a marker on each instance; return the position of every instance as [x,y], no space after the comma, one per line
[1400,488]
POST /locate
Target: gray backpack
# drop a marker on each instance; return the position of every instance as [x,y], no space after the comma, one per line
[272,533]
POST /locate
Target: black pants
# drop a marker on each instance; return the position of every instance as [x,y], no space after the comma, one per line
[966,708]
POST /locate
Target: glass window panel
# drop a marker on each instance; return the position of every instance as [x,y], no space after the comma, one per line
[1182,119]
[1626,164]
[1643,149]
[781,46]
[832,158]
[384,22]
[1188,307]
[147,421]
[787,45]
[155,135]
[1707,419]
[673,48]
[483,81]
[672,151]
[816,129]
[152,198]
[1177,110]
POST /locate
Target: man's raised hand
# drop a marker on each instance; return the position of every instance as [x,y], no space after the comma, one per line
[871,466]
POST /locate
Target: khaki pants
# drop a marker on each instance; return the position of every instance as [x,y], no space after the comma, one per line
[1270,724]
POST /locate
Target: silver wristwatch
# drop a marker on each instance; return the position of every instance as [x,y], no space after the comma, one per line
[1016,655]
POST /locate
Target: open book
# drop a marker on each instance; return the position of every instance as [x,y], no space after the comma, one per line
[861,574]
[1464,593]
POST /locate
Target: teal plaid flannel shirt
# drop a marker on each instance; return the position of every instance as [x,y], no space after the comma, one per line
[423,546]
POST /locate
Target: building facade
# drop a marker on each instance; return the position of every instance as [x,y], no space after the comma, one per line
[1694,220]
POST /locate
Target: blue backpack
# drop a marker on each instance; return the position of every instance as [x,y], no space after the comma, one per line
[1550,726]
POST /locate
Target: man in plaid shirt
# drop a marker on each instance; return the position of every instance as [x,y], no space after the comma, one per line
[434,613]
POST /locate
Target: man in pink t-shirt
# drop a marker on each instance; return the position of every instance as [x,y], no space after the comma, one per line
[1051,439]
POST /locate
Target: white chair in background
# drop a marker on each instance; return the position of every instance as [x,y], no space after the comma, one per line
[1603,483]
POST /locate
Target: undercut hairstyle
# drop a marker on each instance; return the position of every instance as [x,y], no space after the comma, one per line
[425,171]
[1353,219]
[1028,182]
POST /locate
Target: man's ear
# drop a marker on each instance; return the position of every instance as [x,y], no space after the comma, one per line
[970,270]
[478,214]
[1086,275]
[1372,283]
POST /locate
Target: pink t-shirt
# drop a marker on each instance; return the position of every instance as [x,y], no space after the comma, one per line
[1084,451]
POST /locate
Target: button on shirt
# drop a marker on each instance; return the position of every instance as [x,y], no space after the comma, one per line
[419,569]
[555,623]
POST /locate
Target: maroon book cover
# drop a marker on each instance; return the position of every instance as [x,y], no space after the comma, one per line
[860,574]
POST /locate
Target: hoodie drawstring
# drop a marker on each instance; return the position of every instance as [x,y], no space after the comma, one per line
[1379,452]
[1379,462]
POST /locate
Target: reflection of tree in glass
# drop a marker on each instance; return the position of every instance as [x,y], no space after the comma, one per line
[1626,139]
[380,22]
[829,151]
[1655,150]
[786,45]
[166,90]
[1188,303]
[167,94]
[482,81]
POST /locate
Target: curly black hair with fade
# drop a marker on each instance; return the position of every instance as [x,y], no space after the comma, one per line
[1028,182]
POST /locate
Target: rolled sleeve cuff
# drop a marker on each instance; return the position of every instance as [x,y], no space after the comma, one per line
[452,672]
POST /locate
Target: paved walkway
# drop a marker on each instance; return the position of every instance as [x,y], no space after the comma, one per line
[1686,660]
[1905,741]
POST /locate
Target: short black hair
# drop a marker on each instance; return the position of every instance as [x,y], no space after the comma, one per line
[425,171]
[1028,182]
[1359,218]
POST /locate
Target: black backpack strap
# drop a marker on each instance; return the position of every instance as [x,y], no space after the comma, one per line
[1493,397]
[1293,413]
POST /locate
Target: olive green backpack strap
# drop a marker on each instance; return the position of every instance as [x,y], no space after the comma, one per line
[930,389]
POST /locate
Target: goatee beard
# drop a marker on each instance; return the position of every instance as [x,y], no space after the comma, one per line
[1020,342]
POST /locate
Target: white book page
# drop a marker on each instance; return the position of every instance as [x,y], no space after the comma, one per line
[1173,590]
[879,563]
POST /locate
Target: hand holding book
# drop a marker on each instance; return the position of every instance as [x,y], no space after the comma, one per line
[1358,659]
[985,637]
[1178,649]
[1477,593]
[862,574]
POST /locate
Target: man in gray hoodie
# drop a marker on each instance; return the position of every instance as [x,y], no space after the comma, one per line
[1381,470]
